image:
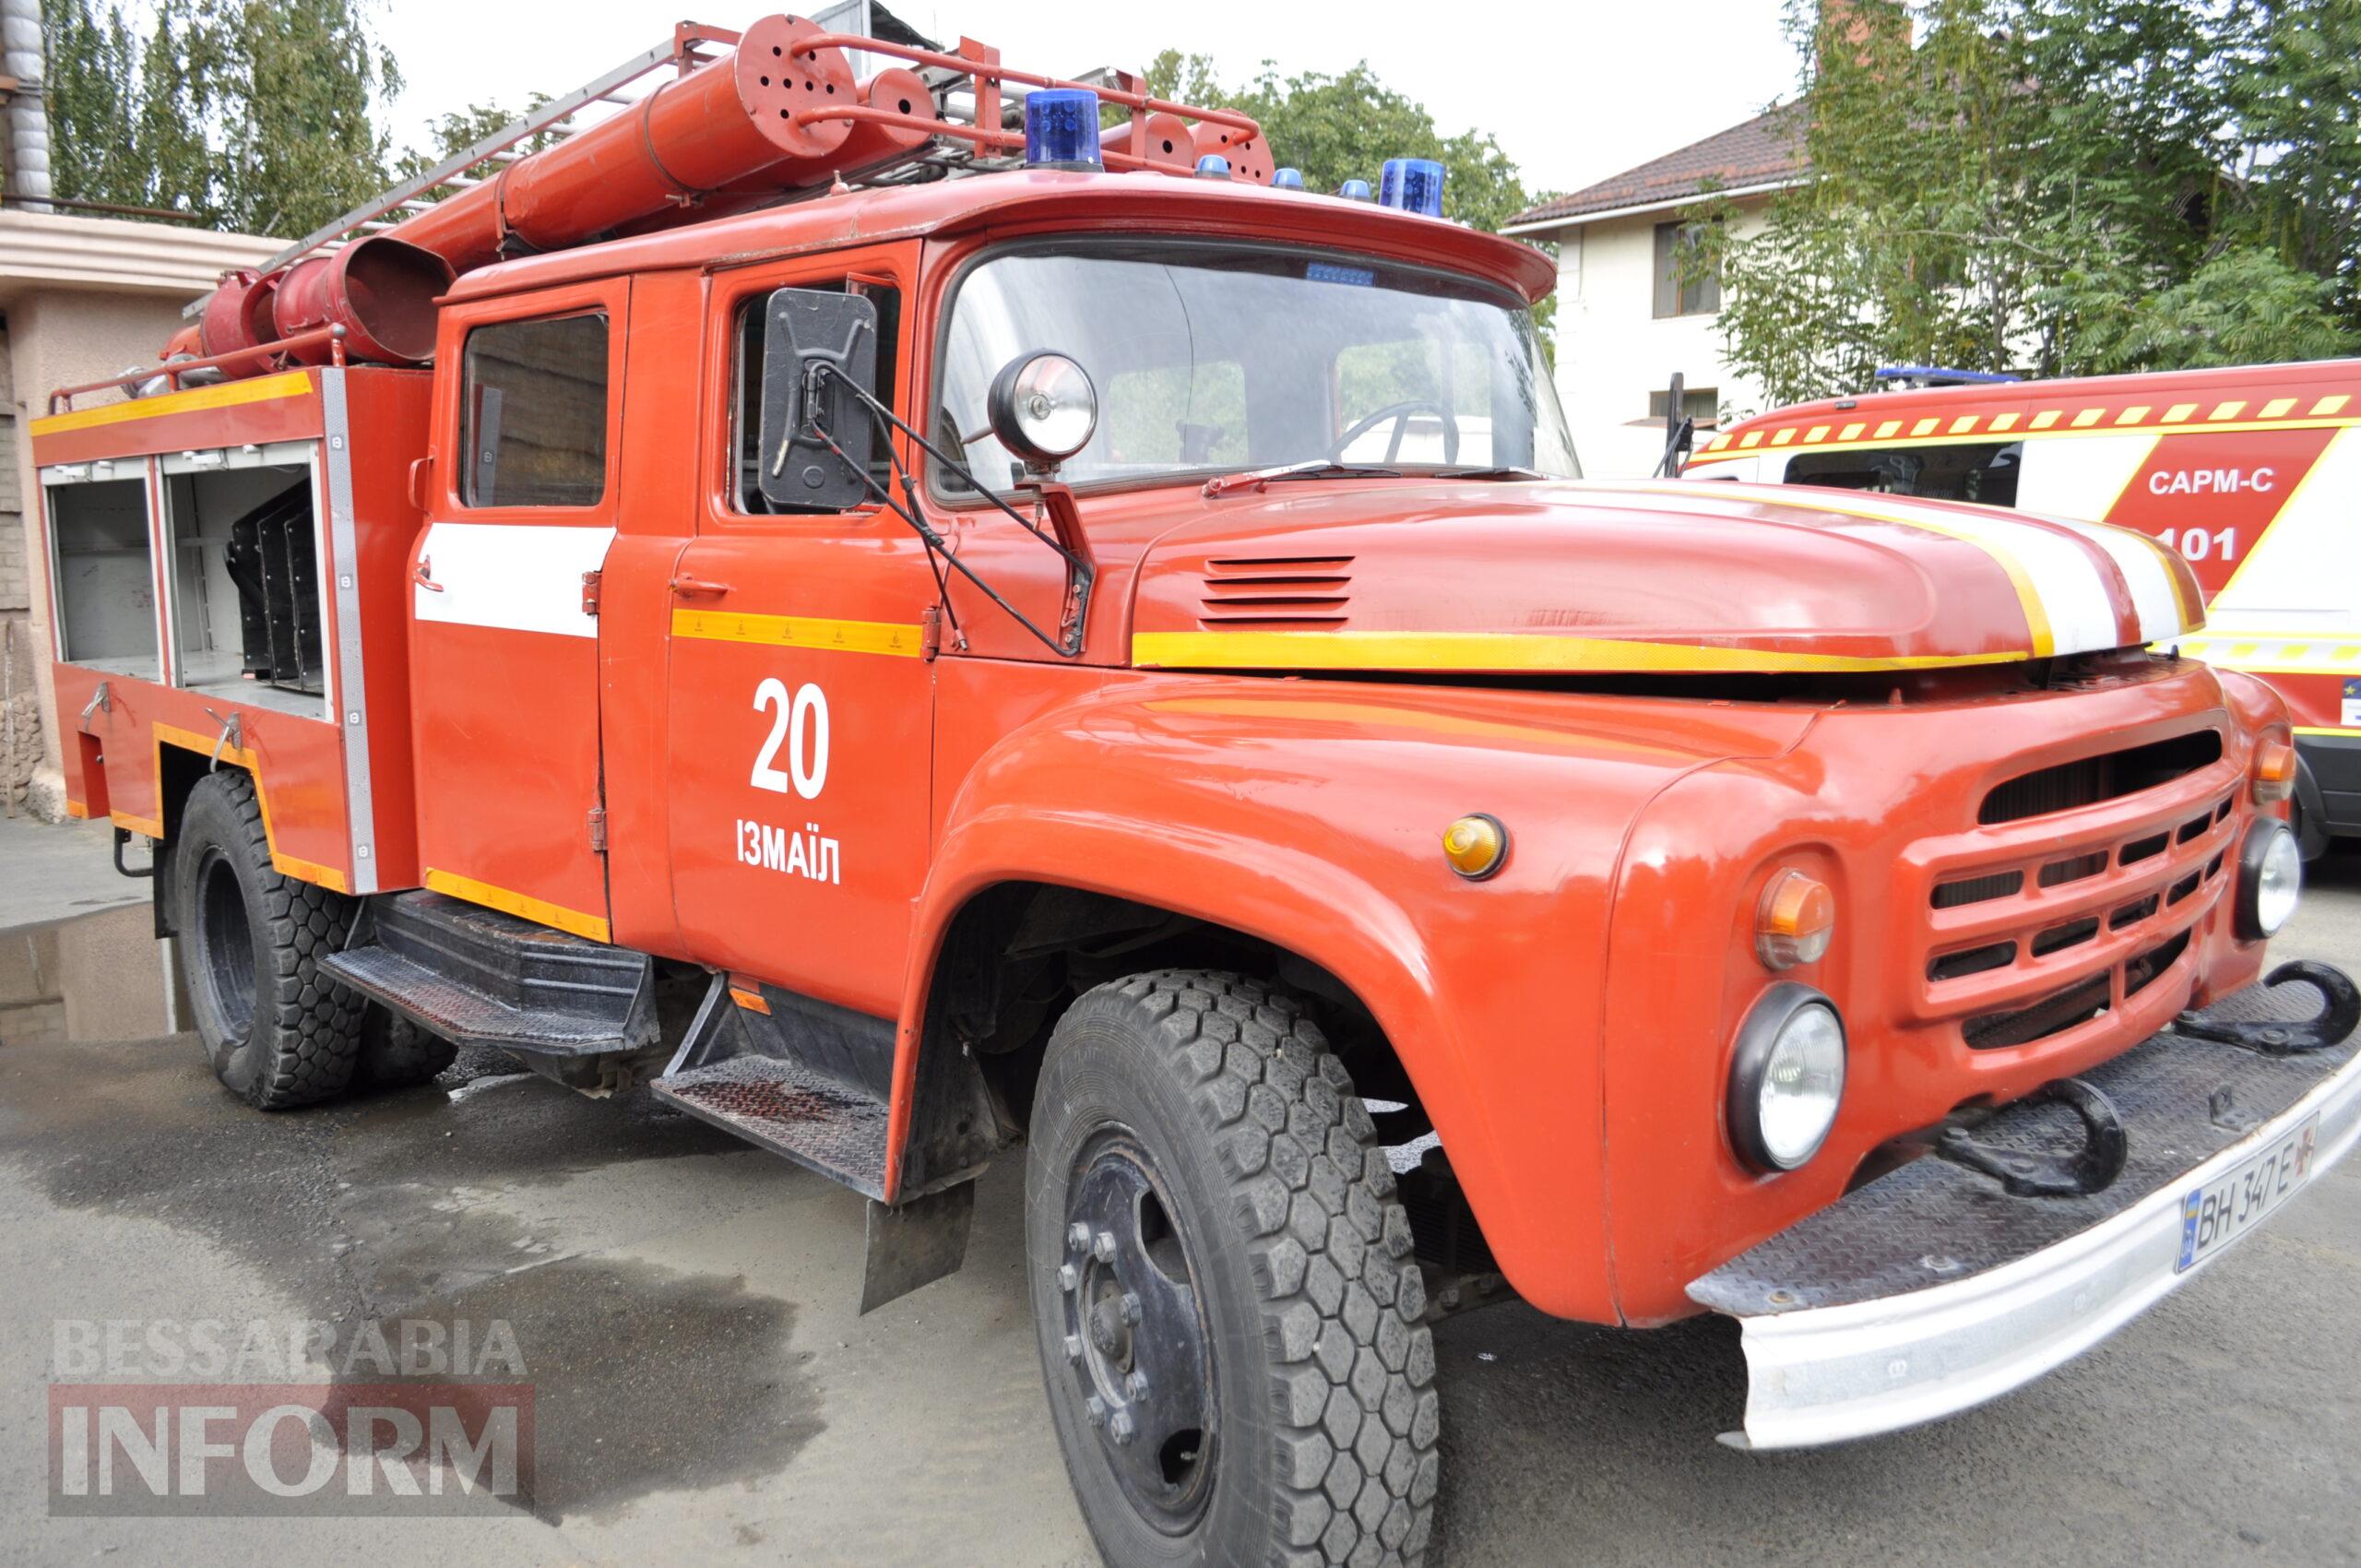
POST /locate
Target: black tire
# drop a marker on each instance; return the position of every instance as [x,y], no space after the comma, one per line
[397,1055]
[1217,1101]
[277,1031]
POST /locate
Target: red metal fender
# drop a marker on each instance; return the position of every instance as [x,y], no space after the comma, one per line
[1322,836]
[1881,805]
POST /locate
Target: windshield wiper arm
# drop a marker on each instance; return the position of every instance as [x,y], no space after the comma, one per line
[1318,467]
[1507,473]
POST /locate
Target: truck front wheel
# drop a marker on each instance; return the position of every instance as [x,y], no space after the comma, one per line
[277,1030]
[1222,1286]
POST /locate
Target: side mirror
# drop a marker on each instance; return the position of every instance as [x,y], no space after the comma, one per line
[803,330]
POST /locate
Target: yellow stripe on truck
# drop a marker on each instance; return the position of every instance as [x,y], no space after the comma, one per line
[2042,636]
[196,399]
[1502,650]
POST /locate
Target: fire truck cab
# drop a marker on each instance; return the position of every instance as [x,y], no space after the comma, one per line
[1106,659]
[2249,474]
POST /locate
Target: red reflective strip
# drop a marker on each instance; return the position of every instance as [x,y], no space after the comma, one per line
[2231,484]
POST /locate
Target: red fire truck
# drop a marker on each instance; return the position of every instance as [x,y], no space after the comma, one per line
[2248,473]
[903,624]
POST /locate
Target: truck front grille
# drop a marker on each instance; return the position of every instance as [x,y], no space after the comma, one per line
[2077,890]
[2110,776]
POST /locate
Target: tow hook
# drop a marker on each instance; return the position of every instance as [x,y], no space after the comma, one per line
[2340,1011]
[2026,1175]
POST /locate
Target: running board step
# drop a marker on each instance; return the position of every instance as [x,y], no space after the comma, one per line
[794,1074]
[813,1120]
[813,1081]
[479,976]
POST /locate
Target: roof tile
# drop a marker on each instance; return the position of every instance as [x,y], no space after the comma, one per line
[1767,149]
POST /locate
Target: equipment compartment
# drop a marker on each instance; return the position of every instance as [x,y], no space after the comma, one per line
[242,531]
[103,574]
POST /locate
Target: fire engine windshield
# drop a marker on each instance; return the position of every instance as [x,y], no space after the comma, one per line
[1212,359]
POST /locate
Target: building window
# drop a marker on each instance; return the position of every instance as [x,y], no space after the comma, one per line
[535,395]
[1700,405]
[1676,295]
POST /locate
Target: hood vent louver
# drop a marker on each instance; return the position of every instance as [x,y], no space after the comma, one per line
[1277,592]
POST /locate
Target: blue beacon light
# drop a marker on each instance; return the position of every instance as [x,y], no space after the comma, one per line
[1354,190]
[1414,185]
[1061,129]
[1287,180]
[1213,166]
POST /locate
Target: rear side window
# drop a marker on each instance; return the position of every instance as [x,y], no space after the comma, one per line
[1985,472]
[535,396]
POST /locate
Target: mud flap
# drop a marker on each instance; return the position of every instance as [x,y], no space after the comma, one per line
[915,1243]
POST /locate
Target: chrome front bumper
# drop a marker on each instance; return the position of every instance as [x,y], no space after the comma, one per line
[1842,1340]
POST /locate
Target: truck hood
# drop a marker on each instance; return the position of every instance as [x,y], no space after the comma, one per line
[1670,576]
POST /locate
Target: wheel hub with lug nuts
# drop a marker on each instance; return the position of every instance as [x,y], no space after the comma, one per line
[1136,1342]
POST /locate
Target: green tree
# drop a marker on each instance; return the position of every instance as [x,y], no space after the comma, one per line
[2049,186]
[259,116]
[2292,82]
[91,66]
[454,133]
[1343,127]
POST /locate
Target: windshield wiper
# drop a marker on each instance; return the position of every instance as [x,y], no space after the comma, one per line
[1505,475]
[1318,467]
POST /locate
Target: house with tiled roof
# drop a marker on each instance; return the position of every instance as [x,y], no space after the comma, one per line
[1626,319]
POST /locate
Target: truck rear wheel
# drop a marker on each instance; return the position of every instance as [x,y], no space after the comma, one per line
[397,1055]
[277,1030]
[1223,1286]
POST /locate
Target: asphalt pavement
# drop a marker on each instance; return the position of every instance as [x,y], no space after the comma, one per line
[683,1308]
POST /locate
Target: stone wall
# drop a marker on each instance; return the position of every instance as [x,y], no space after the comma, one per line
[21,734]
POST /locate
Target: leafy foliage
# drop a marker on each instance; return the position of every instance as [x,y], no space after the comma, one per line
[2245,306]
[1343,127]
[257,115]
[454,133]
[2053,188]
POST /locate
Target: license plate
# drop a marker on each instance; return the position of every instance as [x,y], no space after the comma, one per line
[2213,1216]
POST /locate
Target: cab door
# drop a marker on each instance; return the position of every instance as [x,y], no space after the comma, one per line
[504,647]
[800,694]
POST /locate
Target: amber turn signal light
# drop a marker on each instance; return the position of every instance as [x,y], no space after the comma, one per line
[1476,846]
[1795,921]
[2274,771]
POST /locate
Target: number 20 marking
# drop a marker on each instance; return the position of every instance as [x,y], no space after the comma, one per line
[802,721]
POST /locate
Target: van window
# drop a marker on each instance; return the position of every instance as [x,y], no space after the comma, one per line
[1985,472]
[535,400]
[746,410]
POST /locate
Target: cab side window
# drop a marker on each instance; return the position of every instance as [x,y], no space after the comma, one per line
[746,404]
[534,396]
[1977,471]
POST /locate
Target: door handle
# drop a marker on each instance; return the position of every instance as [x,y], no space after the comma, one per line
[423,574]
[686,586]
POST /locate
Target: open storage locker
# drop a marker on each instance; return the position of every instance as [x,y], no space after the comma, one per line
[102,568]
[242,529]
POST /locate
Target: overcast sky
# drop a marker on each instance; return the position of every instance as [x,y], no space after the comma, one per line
[1575,89]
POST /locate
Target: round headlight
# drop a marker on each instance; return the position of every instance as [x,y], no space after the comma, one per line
[1043,407]
[2271,879]
[1787,1078]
